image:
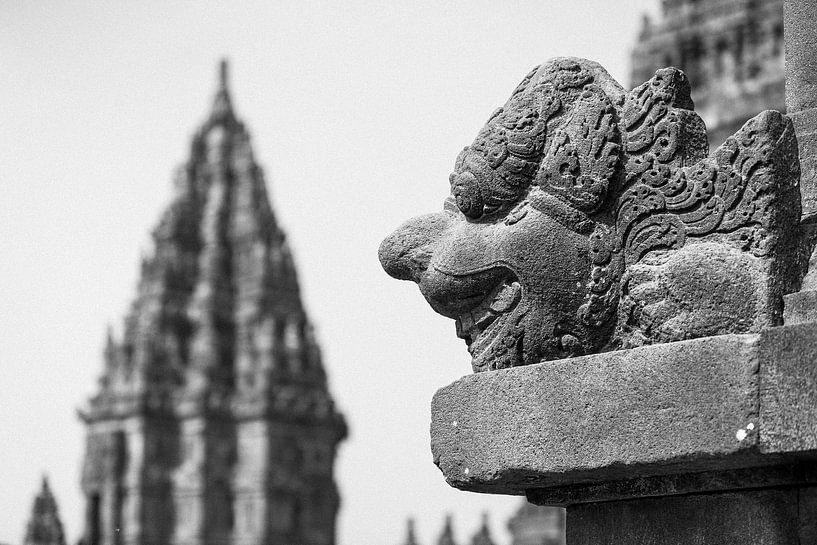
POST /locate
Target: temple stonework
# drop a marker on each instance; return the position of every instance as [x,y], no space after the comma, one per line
[731,51]
[44,527]
[213,422]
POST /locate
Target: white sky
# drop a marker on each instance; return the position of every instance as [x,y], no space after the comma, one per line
[357,110]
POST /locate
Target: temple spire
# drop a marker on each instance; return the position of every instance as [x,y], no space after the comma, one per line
[44,526]
[217,333]
[222,106]
[222,75]
[447,535]
[483,536]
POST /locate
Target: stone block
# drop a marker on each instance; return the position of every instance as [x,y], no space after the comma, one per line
[770,517]
[801,63]
[808,515]
[788,389]
[805,121]
[712,404]
[800,307]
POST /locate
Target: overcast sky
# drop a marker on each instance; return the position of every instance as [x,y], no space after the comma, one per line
[357,111]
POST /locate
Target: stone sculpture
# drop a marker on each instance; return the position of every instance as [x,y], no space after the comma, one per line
[585,218]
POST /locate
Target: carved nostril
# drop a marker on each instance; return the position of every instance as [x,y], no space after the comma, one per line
[406,253]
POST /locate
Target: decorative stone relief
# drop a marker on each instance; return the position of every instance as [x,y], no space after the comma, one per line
[584,218]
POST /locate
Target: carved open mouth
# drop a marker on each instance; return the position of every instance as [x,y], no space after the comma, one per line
[490,328]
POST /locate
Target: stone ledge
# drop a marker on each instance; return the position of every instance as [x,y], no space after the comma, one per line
[731,480]
[712,404]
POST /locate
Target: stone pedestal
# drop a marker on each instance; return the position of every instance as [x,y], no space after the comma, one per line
[708,441]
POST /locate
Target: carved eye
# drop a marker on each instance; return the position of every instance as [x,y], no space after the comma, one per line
[496,154]
[466,192]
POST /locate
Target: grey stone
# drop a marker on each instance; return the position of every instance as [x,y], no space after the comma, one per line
[780,475]
[788,389]
[801,63]
[800,307]
[807,512]
[711,404]
[770,517]
[585,219]
[801,91]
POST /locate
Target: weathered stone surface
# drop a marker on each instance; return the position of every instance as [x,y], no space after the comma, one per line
[801,91]
[707,404]
[770,517]
[584,219]
[788,389]
[808,515]
[801,64]
[801,306]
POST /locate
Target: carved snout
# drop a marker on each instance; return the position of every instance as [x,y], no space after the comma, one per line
[406,253]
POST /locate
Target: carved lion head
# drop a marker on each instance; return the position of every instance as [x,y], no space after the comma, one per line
[585,218]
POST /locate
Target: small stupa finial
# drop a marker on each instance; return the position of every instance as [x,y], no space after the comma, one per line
[222,107]
[222,75]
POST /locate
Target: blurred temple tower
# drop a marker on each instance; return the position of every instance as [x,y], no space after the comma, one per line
[213,422]
[731,50]
[537,525]
[447,535]
[483,535]
[44,527]
[411,539]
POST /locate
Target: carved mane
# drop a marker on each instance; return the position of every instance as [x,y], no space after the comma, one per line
[640,172]
[631,170]
[637,234]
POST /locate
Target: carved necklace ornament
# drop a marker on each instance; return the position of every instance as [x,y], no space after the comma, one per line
[584,218]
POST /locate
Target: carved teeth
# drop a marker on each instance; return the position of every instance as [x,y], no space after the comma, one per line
[471,325]
[465,323]
[507,297]
[482,316]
